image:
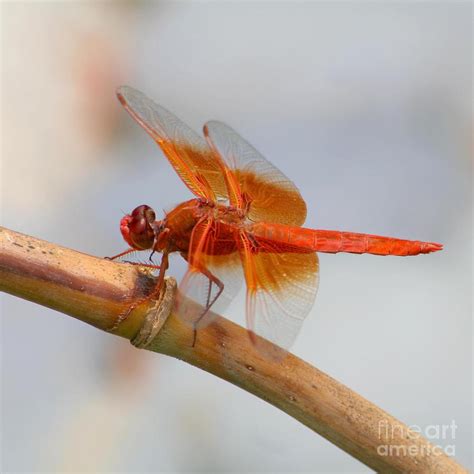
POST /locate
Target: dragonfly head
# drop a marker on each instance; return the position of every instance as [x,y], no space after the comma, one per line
[138,228]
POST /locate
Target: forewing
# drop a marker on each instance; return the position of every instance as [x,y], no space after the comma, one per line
[188,153]
[281,288]
[270,195]
[209,254]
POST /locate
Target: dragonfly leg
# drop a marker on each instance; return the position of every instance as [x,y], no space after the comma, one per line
[209,301]
[122,254]
[146,265]
[131,250]
[163,267]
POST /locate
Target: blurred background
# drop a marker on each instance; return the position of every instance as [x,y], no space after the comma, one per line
[366,106]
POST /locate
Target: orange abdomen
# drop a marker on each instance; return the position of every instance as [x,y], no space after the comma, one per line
[333,241]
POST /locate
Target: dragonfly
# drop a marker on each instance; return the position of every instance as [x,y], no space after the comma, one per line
[244,223]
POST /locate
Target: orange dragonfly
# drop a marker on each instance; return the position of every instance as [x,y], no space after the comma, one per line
[245,222]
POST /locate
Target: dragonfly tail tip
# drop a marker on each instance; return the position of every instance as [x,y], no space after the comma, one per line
[432,247]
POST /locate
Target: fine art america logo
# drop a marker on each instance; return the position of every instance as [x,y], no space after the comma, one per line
[441,436]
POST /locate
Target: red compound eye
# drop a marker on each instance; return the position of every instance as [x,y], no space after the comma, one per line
[137,229]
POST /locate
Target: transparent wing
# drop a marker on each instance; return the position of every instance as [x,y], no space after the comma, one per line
[254,184]
[213,261]
[188,153]
[281,289]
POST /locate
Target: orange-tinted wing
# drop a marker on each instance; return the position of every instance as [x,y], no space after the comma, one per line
[187,152]
[212,254]
[281,288]
[254,184]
